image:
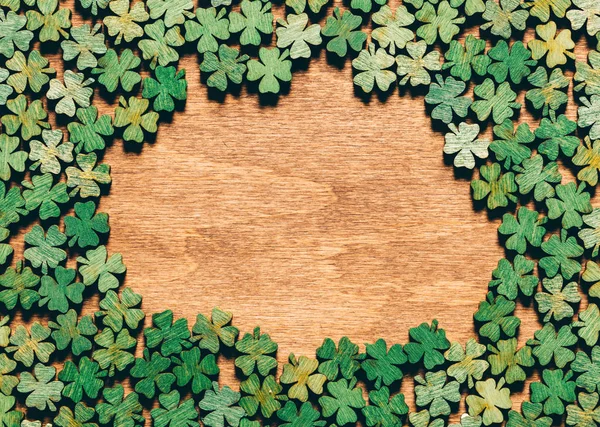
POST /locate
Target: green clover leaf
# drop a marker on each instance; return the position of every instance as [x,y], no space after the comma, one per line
[87,44]
[67,330]
[416,66]
[344,30]
[45,248]
[372,65]
[41,388]
[296,34]
[220,407]
[209,26]
[254,18]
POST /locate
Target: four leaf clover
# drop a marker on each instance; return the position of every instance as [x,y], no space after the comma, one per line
[46,154]
[510,279]
[210,334]
[492,398]
[442,24]
[74,91]
[465,60]
[209,27]
[119,309]
[32,71]
[373,65]
[160,47]
[503,16]
[30,118]
[254,18]
[13,33]
[41,388]
[445,95]
[52,23]
[497,102]
[344,30]
[391,32]
[124,24]
[228,65]
[508,360]
[554,390]
[121,410]
[272,67]
[17,284]
[87,43]
[56,294]
[220,406]
[515,62]
[67,330]
[27,346]
[296,34]
[415,66]
[427,343]
[118,71]
[256,349]
[45,248]
[83,227]
[463,142]
[97,266]
[302,374]
[345,399]
[88,135]
[497,188]
[87,176]
[435,393]
[131,114]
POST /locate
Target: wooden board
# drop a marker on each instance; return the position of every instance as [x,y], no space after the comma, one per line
[324,216]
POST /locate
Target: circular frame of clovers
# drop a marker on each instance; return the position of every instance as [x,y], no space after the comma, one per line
[77,370]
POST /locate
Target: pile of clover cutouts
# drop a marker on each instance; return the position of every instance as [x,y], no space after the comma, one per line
[76,370]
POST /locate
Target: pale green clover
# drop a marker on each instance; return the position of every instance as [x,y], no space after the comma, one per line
[33,71]
[503,16]
[391,32]
[12,33]
[372,66]
[75,90]
[10,159]
[415,66]
[228,65]
[87,176]
[53,22]
[124,23]
[172,12]
[296,32]
[589,10]
[46,154]
[45,251]
[272,67]
[463,142]
[87,44]
[442,24]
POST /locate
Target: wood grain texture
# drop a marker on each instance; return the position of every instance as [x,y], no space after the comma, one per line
[323,216]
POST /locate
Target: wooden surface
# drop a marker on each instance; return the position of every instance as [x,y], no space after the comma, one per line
[327,215]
